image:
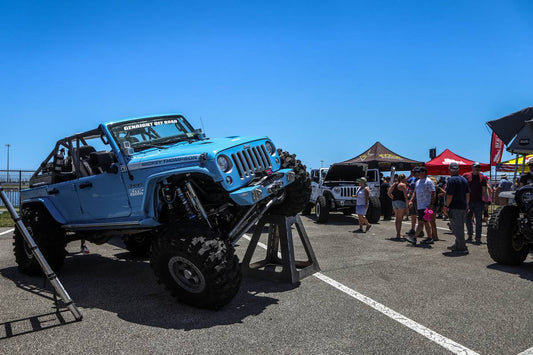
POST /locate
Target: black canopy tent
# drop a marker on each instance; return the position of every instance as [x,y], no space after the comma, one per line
[515,130]
[380,157]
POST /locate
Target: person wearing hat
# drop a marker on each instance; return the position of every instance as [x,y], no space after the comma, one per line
[527,178]
[456,205]
[503,185]
[362,198]
[478,194]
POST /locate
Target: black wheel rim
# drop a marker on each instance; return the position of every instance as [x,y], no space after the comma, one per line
[186,274]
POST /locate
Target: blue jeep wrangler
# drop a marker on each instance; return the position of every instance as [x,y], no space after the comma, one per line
[169,192]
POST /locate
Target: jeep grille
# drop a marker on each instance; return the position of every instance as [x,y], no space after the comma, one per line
[249,161]
[348,191]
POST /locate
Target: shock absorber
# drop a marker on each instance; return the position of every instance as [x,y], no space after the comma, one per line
[185,203]
[169,195]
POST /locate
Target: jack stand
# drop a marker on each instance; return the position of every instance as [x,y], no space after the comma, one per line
[47,270]
[279,232]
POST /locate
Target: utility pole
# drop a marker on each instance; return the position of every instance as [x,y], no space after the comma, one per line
[321,163]
[7,177]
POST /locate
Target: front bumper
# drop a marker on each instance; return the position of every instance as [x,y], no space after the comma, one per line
[252,194]
[345,203]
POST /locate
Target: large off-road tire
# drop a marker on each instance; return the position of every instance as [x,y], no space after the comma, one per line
[322,209]
[196,266]
[503,243]
[48,236]
[373,214]
[307,209]
[138,244]
[298,193]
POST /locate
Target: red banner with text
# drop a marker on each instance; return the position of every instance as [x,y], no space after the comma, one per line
[496,150]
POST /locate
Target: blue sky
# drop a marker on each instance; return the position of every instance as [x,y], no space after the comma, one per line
[323,79]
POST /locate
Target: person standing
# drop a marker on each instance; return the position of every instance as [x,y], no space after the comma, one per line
[503,185]
[411,183]
[433,221]
[385,200]
[424,195]
[456,206]
[361,205]
[398,193]
[478,193]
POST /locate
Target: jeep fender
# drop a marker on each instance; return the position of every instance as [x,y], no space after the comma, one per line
[149,198]
[48,205]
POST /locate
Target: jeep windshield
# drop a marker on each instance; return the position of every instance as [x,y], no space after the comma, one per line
[153,132]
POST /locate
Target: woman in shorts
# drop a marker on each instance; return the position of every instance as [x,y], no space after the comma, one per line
[361,205]
[398,194]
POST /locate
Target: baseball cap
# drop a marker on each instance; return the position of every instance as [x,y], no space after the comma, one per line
[362,179]
[504,175]
[422,169]
[454,166]
[476,164]
[530,161]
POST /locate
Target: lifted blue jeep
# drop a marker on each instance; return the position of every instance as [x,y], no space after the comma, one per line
[169,192]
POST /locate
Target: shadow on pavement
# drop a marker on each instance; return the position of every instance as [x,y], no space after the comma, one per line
[524,271]
[34,324]
[126,286]
[338,219]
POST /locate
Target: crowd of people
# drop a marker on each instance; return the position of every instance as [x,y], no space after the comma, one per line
[461,199]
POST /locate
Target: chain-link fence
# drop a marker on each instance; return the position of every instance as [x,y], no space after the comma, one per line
[13,181]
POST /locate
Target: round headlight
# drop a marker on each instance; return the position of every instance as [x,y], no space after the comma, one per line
[224,163]
[270,148]
[337,190]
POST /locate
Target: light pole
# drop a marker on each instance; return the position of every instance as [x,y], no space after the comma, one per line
[321,163]
[7,177]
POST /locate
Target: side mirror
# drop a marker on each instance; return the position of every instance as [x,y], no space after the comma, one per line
[200,134]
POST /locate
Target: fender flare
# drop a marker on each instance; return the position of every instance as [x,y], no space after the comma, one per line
[148,202]
[54,212]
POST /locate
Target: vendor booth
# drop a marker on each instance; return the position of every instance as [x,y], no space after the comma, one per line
[439,165]
[380,157]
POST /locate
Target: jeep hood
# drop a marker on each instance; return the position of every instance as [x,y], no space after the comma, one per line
[209,146]
[345,172]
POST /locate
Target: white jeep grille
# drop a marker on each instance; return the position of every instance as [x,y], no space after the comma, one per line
[251,160]
[348,191]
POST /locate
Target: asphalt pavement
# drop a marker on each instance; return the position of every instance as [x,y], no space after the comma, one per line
[374,295]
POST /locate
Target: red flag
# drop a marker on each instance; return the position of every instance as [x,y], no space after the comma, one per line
[496,150]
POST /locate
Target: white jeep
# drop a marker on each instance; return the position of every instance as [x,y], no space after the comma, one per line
[332,190]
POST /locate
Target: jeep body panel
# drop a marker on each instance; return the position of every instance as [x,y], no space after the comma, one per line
[127,195]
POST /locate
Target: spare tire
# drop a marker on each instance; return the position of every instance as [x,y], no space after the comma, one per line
[298,193]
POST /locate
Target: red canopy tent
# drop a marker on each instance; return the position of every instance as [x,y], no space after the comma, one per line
[439,165]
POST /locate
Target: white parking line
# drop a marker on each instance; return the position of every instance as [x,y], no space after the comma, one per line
[527,352]
[7,231]
[441,340]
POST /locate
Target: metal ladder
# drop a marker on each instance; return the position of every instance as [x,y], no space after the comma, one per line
[47,270]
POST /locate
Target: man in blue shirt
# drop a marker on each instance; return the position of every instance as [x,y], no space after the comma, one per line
[456,206]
